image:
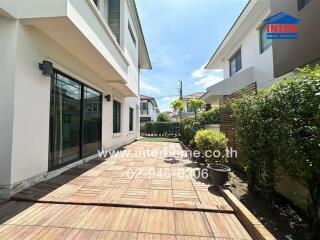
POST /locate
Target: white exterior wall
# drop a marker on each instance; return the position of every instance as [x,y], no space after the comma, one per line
[25,96]
[251,57]
[8,38]
[152,112]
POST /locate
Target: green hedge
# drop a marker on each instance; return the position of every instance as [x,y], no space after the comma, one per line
[189,125]
[278,132]
[160,129]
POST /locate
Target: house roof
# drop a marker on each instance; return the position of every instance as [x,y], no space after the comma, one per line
[281,18]
[144,97]
[144,59]
[151,99]
[194,95]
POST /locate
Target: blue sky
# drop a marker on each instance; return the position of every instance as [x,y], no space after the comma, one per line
[181,36]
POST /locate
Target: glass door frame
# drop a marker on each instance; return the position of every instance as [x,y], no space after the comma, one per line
[51,160]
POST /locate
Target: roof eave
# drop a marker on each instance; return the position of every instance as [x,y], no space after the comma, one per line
[214,61]
[146,63]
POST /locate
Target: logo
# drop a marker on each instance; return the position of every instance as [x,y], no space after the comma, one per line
[282,26]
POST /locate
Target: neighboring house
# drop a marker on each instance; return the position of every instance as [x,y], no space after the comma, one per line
[245,54]
[148,109]
[248,58]
[186,98]
[290,54]
[83,96]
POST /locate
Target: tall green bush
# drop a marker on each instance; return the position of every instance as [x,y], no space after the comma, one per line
[211,116]
[188,128]
[163,117]
[278,131]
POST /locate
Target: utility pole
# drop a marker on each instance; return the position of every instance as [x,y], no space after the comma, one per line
[180,89]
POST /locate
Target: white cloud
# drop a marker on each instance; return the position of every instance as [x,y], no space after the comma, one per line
[207,78]
[148,88]
[169,99]
[208,81]
[201,72]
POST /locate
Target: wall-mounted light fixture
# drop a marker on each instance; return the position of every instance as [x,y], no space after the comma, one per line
[108,97]
[47,68]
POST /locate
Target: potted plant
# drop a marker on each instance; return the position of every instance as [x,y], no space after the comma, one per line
[212,145]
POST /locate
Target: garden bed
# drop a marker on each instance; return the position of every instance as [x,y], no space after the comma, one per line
[280,218]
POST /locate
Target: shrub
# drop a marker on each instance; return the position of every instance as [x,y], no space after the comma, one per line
[186,133]
[278,131]
[214,141]
[188,128]
[163,117]
[160,128]
[211,116]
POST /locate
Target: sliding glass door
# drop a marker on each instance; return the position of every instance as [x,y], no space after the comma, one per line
[75,121]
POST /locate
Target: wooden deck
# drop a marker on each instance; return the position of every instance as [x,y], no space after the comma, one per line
[100,200]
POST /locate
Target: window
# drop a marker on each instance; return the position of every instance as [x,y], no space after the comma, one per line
[302,3]
[116,116]
[145,119]
[189,110]
[144,108]
[235,62]
[75,121]
[114,17]
[130,119]
[132,34]
[265,43]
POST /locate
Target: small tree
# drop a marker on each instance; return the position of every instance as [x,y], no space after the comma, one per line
[177,106]
[196,104]
[163,117]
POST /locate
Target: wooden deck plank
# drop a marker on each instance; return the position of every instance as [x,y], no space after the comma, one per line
[158,221]
[106,182]
[148,236]
[192,223]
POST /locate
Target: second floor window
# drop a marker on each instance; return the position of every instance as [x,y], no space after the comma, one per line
[116,116]
[144,106]
[114,17]
[302,3]
[131,33]
[235,63]
[265,43]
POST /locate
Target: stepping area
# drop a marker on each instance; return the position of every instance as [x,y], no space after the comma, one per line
[129,195]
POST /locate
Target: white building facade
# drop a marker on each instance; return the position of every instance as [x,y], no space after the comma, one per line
[69,84]
[245,54]
[149,109]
